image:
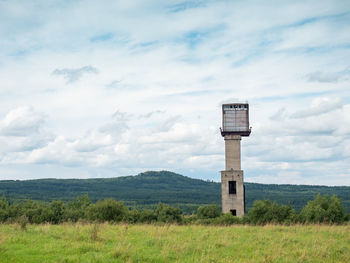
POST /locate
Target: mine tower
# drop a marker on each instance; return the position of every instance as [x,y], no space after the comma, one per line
[235,124]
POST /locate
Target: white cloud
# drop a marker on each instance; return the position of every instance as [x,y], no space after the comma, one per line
[59,151]
[320,76]
[93,141]
[72,75]
[319,106]
[21,122]
[279,115]
[117,125]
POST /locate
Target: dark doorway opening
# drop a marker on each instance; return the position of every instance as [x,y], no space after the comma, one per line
[233,212]
[232,187]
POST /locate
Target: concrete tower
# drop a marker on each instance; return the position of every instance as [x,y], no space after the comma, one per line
[235,124]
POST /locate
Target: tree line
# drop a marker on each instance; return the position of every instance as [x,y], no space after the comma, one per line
[323,209]
[145,190]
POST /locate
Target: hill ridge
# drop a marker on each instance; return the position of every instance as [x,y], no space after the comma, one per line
[150,187]
[146,173]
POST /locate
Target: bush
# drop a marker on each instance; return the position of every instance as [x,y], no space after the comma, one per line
[264,212]
[76,209]
[133,216]
[347,218]
[148,216]
[14,211]
[56,211]
[323,210]
[168,214]
[209,211]
[37,213]
[245,219]
[23,221]
[227,219]
[4,209]
[335,212]
[107,210]
[189,219]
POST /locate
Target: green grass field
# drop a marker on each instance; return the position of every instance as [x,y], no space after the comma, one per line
[171,243]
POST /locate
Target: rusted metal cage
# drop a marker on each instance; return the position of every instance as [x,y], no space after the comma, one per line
[235,119]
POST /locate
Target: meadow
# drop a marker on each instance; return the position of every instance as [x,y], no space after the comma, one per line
[106,242]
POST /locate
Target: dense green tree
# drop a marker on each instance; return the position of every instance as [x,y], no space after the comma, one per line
[208,211]
[37,213]
[168,214]
[335,210]
[56,212]
[108,210]
[347,218]
[133,216]
[266,211]
[4,209]
[323,210]
[13,211]
[77,208]
[148,216]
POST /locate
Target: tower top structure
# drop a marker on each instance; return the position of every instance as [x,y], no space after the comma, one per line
[235,119]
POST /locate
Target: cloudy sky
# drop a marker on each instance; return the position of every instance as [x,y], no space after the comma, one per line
[110,88]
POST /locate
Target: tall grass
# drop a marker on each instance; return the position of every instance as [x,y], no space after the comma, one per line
[171,243]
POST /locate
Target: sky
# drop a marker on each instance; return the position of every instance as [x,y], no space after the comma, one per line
[92,89]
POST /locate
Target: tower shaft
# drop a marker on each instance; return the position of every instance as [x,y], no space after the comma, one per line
[232,152]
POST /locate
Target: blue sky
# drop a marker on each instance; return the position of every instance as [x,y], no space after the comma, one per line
[112,88]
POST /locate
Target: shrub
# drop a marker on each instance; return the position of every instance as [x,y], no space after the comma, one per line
[107,210]
[227,219]
[23,221]
[4,209]
[14,211]
[347,218]
[133,216]
[189,219]
[264,212]
[323,210]
[76,209]
[335,212]
[209,211]
[37,212]
[148,216]
[245,219]
[56,210]
[168,214]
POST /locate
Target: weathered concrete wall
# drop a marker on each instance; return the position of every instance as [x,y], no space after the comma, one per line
[233,152]
[233,172]
[232,201]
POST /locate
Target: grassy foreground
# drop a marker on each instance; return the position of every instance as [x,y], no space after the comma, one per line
[171,243]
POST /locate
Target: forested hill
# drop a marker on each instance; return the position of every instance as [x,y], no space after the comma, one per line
[149,188]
